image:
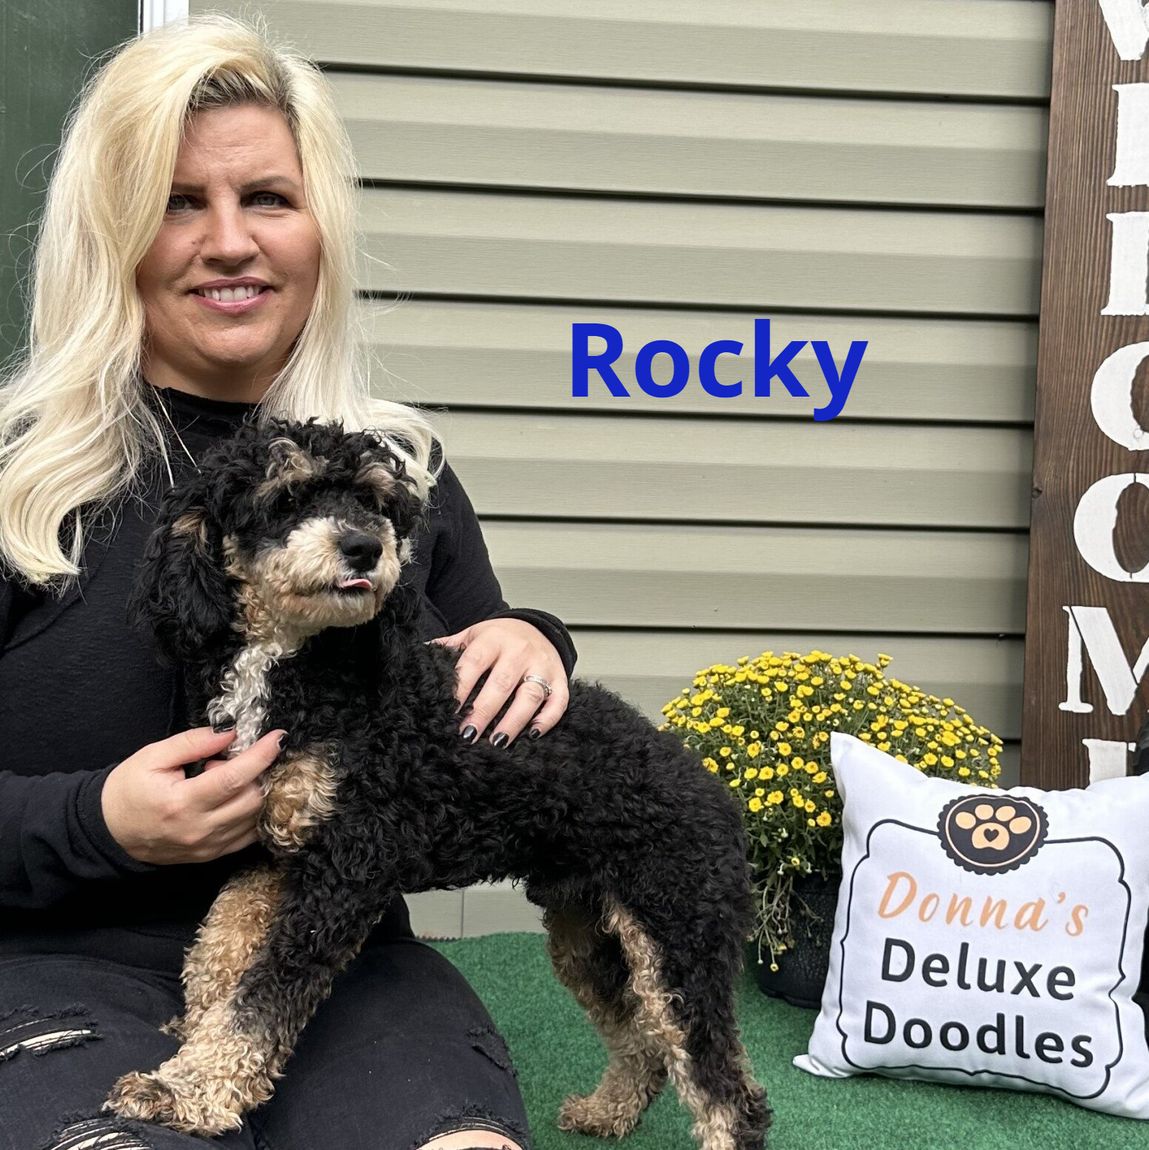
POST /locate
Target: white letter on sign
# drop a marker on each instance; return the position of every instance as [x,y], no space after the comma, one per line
[1092,628]
[1111,397]
[1127,27]
[1094,522]
[1132,166]
[1128,264]
[1107,759]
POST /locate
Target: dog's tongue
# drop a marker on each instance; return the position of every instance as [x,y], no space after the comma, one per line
[347,584]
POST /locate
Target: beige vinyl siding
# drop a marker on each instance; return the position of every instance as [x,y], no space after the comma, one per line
[651,666]
[765,578]
[594,467]
[988,49]
[675,169]
[758,257]
[634,140]
[490,356]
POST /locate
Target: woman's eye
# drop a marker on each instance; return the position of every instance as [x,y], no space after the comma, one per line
[178,202]
[268,200]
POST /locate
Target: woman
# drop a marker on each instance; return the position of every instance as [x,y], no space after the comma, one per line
[194,269]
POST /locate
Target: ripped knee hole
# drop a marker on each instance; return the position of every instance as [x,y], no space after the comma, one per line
[25,1029]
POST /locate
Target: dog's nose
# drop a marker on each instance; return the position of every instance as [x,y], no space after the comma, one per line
[362,550]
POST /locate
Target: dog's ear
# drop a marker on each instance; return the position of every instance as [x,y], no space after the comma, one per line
[181,591]
[383,470]
[405,509]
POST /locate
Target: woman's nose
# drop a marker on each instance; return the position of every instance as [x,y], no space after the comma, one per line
[228,238]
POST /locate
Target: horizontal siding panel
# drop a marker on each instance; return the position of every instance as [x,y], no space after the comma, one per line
[744,471]
[485,908]
[489,908]
[626,140]
[964,48]
[811,259]
[648,668]
[764,578]
[467,355]
[436,913]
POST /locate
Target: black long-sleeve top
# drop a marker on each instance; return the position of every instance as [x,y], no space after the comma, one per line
[81,689]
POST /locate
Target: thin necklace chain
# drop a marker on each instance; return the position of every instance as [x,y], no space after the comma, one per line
[171,424]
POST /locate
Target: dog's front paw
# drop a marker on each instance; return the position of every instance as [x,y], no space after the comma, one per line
[180,1105]
[602,1118]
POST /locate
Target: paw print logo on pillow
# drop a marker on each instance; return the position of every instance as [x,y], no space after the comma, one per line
[991,834]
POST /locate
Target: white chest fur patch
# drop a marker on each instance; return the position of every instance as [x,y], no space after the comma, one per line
[243,691]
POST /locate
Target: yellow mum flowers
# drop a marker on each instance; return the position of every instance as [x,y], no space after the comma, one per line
[770,718]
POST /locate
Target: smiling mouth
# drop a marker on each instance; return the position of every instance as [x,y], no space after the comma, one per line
[231,295]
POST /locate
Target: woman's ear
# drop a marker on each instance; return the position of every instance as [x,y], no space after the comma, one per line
[181,590]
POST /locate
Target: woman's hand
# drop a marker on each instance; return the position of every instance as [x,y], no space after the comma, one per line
[506,650]
[159,816]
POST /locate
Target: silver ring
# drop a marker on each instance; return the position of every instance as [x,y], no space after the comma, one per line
[541,682]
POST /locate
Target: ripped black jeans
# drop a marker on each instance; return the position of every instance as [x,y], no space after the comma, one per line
[402,1051]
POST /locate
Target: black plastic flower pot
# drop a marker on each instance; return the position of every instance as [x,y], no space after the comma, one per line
[802,969]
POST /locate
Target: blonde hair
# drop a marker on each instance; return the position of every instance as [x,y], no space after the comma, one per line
[75,423]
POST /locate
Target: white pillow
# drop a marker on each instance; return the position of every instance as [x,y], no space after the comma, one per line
[991,938]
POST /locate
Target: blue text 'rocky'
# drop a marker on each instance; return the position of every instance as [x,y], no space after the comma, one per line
[767,366]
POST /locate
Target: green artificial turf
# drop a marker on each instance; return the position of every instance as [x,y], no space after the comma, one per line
[557,1052]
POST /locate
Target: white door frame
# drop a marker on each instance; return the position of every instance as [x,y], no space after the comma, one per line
[154,13]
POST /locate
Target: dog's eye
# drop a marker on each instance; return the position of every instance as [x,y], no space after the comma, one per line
[287,507]
[368,497]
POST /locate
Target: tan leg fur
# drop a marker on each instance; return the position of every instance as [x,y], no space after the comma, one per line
[714,1124]
[298,792]
[635,1071]
[197,1089]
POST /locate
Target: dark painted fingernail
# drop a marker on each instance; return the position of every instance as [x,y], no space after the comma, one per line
[225,723]
[535,733]
[469,734]
[501,739]
[282,740]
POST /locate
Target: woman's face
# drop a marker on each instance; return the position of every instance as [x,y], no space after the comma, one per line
[229,280]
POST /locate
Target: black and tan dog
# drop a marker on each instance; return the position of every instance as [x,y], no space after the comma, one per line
[274,579]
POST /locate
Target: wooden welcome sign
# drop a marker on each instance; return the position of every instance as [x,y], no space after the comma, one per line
[1087,631]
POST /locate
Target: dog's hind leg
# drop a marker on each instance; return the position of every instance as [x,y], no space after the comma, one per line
[686,1008]
[590,963]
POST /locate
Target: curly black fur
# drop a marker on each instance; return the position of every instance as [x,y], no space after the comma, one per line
[605,810]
